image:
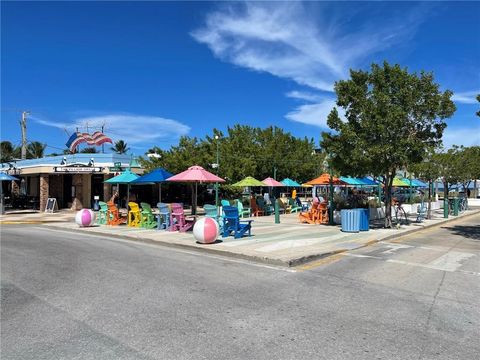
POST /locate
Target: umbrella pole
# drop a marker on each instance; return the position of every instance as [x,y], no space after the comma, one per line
[196,194]
[128,195]
[159,192]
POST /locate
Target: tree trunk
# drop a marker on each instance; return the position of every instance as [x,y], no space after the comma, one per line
[388,200]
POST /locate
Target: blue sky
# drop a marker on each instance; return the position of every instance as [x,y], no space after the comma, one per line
[153,71]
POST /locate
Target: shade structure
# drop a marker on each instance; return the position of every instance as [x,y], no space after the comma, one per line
[156,176]
[415,183]
[272,182]
[368,182]
[324,179]
[352,181]
[399,182]
[290,183]
[6,177]
[249,181]
[195,174]
[127,177]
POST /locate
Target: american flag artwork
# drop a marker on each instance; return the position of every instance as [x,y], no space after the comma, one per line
[97,138]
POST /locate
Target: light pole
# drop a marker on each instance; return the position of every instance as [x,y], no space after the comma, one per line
[217,165]
[327,164]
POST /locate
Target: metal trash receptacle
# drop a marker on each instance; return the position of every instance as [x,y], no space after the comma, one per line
[350,220]
[364,216]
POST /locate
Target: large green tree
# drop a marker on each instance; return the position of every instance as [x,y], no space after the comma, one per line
[243,151]
[392,119]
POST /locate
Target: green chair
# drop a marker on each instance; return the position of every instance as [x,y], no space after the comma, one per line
[242,211]
[147,218]
[102,213]
[294,206]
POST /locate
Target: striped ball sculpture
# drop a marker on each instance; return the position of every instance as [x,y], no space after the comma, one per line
[206,230]
[85,218]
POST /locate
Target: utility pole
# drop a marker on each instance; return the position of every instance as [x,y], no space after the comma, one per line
[23,125]
[103,145]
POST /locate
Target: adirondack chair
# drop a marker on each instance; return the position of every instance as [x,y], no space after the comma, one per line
[267,209]
[287,208]
[225,202]
[255,210]
[178,221]
[233,224]
[147,219]
[294,208]
[310,216]
[322,217]
[134,216]
[243,212]
[113,215]
[102,213]
[304,207]
[163,217]
[211,211]
[421,212]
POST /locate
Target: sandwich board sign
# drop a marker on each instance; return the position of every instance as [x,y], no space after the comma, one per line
[51,205]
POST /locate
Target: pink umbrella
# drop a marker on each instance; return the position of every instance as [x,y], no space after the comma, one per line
[195,174]
[272,182]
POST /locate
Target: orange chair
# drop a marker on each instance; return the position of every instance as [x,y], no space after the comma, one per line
[323,213]
[113,215]
[256,211]
[312,216]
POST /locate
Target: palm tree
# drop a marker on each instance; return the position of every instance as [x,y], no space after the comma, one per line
[120,147]
[35,150]
[8,151]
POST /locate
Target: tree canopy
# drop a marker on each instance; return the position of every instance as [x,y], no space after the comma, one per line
[393,118]
[243,151]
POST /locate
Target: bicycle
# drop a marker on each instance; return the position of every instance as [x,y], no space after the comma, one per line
[400,213]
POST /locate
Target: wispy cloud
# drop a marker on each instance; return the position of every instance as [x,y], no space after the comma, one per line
[135,129]
[467,97]
[297,41]
[303,95]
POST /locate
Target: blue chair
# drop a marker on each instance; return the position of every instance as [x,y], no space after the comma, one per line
[163,218]
[233,224]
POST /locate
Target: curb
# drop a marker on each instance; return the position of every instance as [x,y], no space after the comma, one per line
[291,263]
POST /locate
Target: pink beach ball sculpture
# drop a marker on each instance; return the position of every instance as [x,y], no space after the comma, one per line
[85,217]
[206,230]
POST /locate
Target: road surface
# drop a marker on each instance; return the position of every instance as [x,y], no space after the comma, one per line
[69,296]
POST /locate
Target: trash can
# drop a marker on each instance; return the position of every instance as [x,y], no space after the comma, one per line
[350,220]
[364,216]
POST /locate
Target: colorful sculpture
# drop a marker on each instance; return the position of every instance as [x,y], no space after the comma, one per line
[206,230]
[85,218]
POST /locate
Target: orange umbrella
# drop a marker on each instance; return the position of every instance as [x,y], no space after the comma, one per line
[324,179]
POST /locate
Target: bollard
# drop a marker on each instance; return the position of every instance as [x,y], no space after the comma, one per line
[277,213]
[455,206]
[445,208]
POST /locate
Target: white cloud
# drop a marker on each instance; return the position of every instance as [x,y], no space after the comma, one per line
[314,114]
[467,97]
[287,40]
[467,136]
[134,129]
[303,95]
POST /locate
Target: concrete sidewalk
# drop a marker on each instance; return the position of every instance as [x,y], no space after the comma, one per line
[287,244]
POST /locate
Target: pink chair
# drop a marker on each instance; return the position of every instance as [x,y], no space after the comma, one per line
[178,221]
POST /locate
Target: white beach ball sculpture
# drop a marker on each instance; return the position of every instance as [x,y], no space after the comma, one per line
[206,230]
[85,217]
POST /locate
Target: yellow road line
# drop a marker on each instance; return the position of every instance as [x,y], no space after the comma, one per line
[324,261]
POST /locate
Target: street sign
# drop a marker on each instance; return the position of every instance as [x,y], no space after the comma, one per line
[117,164]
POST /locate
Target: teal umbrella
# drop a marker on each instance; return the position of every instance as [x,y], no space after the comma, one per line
[290,183]
[126,177]
[4,177]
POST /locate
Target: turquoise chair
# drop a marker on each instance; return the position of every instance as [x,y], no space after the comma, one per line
[163,217]
[211,211]
[102,213]
[242,211]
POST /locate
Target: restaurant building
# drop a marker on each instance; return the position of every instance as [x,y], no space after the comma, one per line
[73,180]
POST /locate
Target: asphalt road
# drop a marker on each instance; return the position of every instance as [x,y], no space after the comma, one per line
[71,297]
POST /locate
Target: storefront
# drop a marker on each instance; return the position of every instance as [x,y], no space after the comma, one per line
[73,180]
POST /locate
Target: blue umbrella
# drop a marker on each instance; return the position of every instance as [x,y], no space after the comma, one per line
[6,177]
[124,178]
[290,183]
[157,176]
